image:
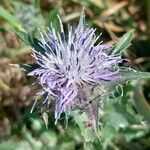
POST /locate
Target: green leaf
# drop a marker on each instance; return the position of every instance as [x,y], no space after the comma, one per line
[10,18]
[140,103]
[116,113]
[26,67]
[34,42]
[29,39]
[132,75]
[115,119]
[123,43]
[10,145]
[108,132]
[135,132]
[22,35]
[82,120]
[52,18]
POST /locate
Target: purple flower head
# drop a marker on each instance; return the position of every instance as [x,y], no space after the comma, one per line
[74,69]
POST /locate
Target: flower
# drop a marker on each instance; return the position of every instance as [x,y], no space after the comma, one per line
[74,69]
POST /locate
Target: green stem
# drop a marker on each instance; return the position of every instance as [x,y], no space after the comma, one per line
[37,4]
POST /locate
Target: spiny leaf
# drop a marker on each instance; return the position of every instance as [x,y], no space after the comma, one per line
[81,120]
[128,75]
[132,75]
[124,43]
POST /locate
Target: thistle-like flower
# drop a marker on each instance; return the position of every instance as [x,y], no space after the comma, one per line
[74,70]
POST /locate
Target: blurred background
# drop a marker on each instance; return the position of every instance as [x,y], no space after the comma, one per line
[21,130]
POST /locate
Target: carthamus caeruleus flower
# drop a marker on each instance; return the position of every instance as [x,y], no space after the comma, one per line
[75,69]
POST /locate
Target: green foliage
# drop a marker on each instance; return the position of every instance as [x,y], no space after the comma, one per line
[141,105]
[10,18]
[52,18]
[27,67]
[82,121]
[10,145]
[123,43]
